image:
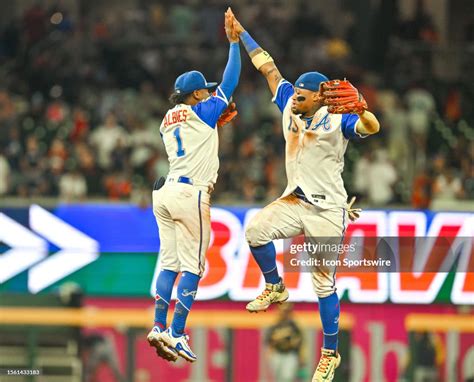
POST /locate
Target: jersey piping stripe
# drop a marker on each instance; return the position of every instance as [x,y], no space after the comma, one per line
[282,81]
[200,233]
[223,97]
[161,298]
[184,306]
[342,239]
[271,270]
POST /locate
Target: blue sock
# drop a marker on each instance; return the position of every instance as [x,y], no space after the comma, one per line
[329,312]
[265,256]
[187,289]
[164,288]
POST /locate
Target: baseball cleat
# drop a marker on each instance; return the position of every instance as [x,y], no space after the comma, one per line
[179,344]
[163,351]
[273,293]
[327,365]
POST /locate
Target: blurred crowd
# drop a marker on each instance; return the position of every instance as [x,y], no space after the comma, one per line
[83,92]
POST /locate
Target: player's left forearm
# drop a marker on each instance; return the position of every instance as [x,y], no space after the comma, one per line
[368,123]
[262,61]
[231,75]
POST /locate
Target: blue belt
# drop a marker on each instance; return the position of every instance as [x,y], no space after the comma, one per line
[300,195]
[185,179]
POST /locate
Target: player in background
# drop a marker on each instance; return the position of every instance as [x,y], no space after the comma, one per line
[315,201]
[181,204]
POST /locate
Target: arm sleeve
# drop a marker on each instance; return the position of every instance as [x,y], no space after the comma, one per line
[210,110]
[348,126]
[283,93]
[231,75]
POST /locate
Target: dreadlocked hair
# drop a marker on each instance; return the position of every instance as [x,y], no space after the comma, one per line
[177,98]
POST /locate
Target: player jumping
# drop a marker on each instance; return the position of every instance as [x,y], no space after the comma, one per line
[315,201]
[181,204]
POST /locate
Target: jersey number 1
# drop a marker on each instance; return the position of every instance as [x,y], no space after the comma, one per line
[177,135]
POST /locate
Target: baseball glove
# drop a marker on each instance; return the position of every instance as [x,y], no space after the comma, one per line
[342,97]
[227,115]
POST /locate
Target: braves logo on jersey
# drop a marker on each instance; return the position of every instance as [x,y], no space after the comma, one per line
[325,123]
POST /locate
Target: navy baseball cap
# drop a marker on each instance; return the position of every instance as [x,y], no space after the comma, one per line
[191,81]
[310,81]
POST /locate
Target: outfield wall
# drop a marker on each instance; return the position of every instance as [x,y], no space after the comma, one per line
[112,250]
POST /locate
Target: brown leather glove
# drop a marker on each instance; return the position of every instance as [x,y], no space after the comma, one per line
[342,97]
[227,115]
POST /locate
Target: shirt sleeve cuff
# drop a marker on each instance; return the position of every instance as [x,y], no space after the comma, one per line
[220,95]
[282,81]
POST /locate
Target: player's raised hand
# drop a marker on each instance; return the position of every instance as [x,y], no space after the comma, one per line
[237,25]
[230,31]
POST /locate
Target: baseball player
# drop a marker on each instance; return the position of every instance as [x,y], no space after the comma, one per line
[181,203]
[319,118]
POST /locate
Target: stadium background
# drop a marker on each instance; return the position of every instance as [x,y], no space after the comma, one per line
[83,88]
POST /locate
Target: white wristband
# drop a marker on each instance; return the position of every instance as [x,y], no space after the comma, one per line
[261,59]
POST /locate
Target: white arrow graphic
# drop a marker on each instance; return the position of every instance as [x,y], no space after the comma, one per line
[27,248]
[77,249]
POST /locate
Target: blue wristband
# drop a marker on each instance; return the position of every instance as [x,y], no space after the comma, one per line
[249,43]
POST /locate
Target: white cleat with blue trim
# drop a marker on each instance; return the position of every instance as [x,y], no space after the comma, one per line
[179,344]
[162,350]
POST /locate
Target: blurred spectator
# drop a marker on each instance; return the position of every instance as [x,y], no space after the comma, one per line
[381,176]
[452,107]
[395,123]
[32,166]
[7,109]
[421,26]
[422,191]
[72,186]
[468,185]
[284,341]
[143,143]
[4,175]
[118,185]
[421,106]
[447,187]
[80,128]
[87,166]
[57,154]
[34,23]
[106,138]
[182,18]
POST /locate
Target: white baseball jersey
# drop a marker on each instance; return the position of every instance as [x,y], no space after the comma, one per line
[191,140]
[315,150]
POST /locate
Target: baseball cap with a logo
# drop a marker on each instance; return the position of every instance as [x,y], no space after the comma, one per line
[310,81]
[191,81]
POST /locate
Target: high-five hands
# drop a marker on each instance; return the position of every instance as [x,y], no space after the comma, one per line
[237,26]
[232,30]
